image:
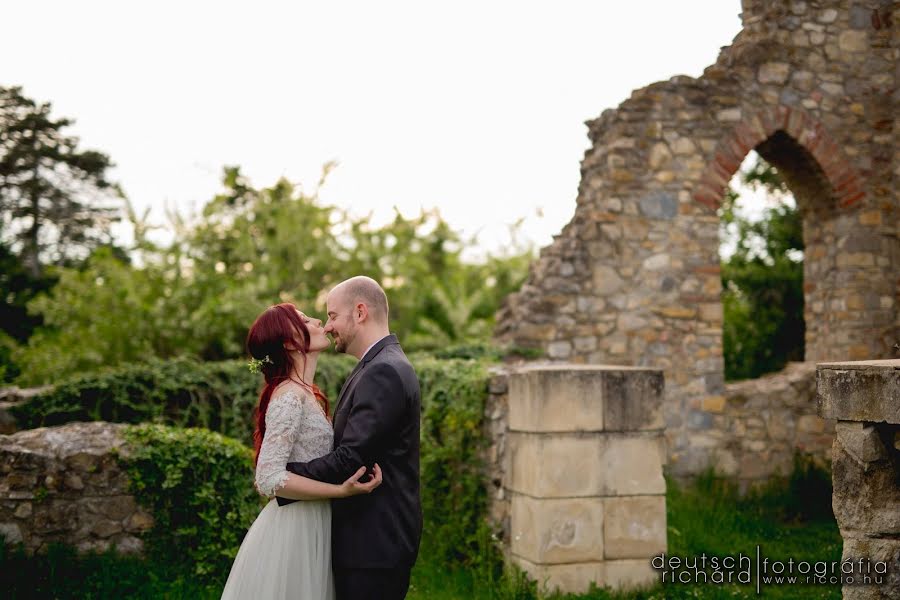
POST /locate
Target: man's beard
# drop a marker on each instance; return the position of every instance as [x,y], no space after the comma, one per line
[341,342]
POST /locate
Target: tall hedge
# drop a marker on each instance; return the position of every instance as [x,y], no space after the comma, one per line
[197,485]
[221,396]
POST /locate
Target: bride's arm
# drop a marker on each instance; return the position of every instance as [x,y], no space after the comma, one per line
[282,428]
[304,488]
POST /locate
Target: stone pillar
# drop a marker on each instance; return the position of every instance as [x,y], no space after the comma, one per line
[864,397]
[585,475]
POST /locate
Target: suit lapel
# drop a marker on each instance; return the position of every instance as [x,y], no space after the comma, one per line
[346,385]
[372,353]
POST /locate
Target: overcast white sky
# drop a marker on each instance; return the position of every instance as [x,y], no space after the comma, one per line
[476,108]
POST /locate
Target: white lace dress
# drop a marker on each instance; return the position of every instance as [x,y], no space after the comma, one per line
[287,551]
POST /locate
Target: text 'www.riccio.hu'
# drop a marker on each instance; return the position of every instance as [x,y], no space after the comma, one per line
[744,569]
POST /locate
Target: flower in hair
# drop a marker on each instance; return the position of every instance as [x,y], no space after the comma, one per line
[255,365]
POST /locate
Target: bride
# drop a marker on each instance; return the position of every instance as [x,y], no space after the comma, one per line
[287,551]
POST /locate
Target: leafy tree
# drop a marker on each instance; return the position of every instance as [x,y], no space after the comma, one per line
[50,191]
[248,248]
[102,314]
[763,282]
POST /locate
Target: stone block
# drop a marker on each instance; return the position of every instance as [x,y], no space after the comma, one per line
[659,205]
[859,391]
[499,384]
[11,533]
[861,441]
[866,497]
[853,41]
[559,349]
[774,72]
[634,464]
[634,527]
[725,463]
[561,399]
[876,551]
[547,399]
[564,465]
[633,399]
[606,280]
[579,465]
[714,404]
[552,531]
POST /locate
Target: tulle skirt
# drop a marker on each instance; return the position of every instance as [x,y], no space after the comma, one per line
[285,554]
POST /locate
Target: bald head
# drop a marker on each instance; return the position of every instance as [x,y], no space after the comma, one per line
[357,315]
[365,290]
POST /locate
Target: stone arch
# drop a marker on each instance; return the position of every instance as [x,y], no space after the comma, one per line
[831,164]
[635,278]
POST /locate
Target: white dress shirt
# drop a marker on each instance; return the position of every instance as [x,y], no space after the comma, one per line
[372,346]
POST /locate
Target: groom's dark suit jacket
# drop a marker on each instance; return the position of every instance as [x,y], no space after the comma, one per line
[376,419]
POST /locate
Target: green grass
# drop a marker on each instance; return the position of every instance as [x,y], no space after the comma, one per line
[789,519]
[59,573]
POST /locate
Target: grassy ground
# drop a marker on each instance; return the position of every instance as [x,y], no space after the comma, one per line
[791,519]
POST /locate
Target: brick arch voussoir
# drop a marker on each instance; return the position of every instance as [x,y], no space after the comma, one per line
[758,127]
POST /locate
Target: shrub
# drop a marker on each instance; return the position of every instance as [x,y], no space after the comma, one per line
[454,497]
[219,396]
[197,484]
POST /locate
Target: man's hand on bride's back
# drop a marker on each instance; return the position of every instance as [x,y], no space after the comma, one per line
[354,487]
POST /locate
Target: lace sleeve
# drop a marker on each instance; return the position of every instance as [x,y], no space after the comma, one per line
[282,427]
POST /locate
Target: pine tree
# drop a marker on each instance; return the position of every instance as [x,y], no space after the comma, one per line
[54,198]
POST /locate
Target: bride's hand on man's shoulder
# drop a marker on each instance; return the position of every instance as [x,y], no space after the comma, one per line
[354,487]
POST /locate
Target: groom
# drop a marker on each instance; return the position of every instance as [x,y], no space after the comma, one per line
[375,537]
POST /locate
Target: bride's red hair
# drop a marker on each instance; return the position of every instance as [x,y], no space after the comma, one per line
[276,326]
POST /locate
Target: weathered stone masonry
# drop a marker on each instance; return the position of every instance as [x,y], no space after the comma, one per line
[864,398]
[64,485]
[634,278]
[576,472]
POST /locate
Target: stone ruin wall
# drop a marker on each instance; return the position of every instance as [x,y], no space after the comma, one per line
[634,278]
[64,485]
[767,420]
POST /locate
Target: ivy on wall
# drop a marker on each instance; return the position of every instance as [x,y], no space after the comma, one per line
[197,484]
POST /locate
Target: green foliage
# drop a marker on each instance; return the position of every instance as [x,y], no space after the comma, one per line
[101,314]
[763,284]
[198,486]
[17,288]
[250,248]
[453,492]
[61,573]
[219,396]
[49,189]
[803,495]
[8,369]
